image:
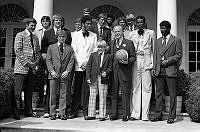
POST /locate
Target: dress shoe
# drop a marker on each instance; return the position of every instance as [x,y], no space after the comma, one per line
[32,115]
[102,119]
[53,117]
[156,119]
[63,117]
[72,116]
[46,115]
[170,121]
[125,118]
[90,118]
[132,119]
[112,118]
[16,115]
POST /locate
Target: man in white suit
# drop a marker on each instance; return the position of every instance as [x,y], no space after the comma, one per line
[143,40]
[83,43]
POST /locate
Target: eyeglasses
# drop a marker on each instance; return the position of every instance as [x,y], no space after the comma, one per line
[101,46]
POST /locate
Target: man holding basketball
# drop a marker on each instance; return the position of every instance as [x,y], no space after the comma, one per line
[121,72]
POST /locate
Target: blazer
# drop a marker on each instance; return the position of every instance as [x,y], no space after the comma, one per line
[93,67]
[172,52]
[82,48]
[40,33]
[50,38]
[106,36]
[125,70]
[149,42]
[56,63]
[24,51]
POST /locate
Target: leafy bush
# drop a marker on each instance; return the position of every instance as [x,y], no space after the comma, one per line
[192,103]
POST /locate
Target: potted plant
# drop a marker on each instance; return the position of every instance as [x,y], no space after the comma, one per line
[192,103]
[183,83]
[6,92]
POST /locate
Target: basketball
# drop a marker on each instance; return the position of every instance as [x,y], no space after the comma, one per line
[121,54]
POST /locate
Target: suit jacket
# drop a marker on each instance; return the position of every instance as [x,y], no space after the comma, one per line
[125,70]
[148,44]
[24,51]
[106,33]
[172,52]
[93,67]
[82,48]
[57,63]
[50,38]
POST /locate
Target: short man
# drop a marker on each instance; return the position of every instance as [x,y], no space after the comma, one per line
[83,43]
[168,53]
[77,25]
[27,49]
[130,18]
[103,33]
[122,73]
[143,40]
[60,60]
[98,70]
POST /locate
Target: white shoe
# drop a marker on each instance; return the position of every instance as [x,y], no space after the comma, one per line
[46,115]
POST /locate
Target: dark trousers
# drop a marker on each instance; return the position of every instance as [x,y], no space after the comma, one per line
[56,85]
[163,82]
[20,81]
[119,83]
[81,92]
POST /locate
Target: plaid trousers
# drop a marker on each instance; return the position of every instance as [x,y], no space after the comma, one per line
[94,89]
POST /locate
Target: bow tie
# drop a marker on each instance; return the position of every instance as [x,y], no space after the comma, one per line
[86,34]
[141,31]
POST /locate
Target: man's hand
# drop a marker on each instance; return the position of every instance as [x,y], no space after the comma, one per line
[123,61]
[103,74]
[153,73]
[64,74]
[88,81]
[54,74]
[44,56]
[164,63]
[31,64]
[83,66]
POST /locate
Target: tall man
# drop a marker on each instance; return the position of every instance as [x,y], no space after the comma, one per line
[121,73]
[168,53]
[27,49]
[103,33]
[83,43]
[143,40]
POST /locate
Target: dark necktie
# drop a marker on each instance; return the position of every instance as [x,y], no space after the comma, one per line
[86,34]
[61,49]
[117,43]
[31,38]
[101,30]
[99,62]
[163,42]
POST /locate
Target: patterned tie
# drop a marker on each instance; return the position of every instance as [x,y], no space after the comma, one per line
[31,39]
[163,42]
[61,49]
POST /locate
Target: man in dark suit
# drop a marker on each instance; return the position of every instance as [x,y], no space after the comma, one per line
[167,56]
[100,28]
[60,60]
[121,73]
[50,37]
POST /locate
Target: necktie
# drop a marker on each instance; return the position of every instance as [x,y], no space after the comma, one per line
[164,42]
[99,62]
[31,39]
[117,43]
[61,49]
[101,30]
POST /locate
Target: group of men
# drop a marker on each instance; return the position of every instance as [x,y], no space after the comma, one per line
[86,60]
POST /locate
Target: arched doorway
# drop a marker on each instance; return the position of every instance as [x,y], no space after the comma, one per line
[193,41]
[10,24]
[108,9]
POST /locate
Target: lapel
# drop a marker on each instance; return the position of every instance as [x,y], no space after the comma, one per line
[96,58]
[104,58]
[56,49]
[82,39]
[65,52]
[169,43]
[145,36]
[28,39]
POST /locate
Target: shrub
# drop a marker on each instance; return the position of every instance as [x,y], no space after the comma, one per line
[192,103]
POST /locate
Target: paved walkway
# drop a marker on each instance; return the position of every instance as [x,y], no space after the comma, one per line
[182,124]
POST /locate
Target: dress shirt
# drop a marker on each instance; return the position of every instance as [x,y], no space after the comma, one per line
[167,38]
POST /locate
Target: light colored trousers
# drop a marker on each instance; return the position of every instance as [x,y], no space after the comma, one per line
[94,89]
[141,90]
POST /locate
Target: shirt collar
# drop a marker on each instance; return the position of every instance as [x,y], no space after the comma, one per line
[168,36]
[27,32]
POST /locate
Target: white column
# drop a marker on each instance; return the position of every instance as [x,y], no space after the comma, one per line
[167,10]
[42,8]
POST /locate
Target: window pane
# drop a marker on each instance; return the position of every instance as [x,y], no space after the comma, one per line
[192,56]
[198,46]
[2,42]
[198,36]
[192,66]
[2,52]
[192,36]
[192,46]
[2,60]
[198,56]
[198,66]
